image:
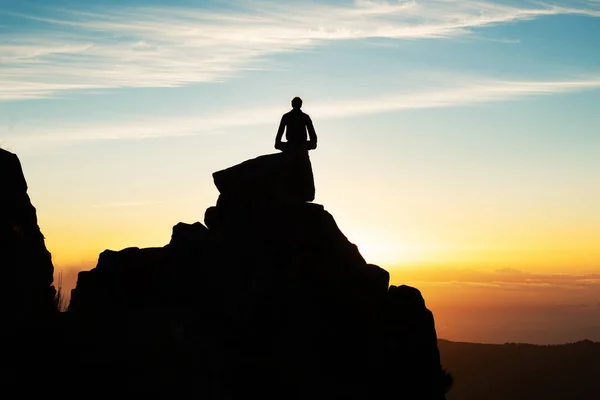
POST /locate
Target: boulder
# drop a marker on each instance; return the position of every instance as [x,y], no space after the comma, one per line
[281,177]
[188,234]
[415,354]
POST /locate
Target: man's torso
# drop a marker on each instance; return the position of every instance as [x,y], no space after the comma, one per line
[296,122]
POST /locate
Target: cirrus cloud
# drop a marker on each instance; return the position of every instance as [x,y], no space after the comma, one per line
[462,91]
[172,46]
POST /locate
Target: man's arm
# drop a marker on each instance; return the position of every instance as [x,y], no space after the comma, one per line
[280,132]
[312,135]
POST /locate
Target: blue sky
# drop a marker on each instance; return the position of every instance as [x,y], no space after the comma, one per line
[122,60]
[451,133]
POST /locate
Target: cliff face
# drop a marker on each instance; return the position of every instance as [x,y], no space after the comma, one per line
[268,298]
[26,263]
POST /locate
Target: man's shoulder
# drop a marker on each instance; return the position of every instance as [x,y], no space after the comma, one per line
[295,114]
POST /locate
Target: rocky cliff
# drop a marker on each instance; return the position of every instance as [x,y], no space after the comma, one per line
[27,337]
[267,298]
[27,269]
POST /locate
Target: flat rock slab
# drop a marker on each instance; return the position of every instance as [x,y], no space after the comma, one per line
[281,176]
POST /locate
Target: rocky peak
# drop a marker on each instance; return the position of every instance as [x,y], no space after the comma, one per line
[268,297]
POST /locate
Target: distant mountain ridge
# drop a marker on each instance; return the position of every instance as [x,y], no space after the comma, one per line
[520,371]
[583,342]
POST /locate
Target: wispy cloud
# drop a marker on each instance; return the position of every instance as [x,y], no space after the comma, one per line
[464,91]
[173,46]
[506,279]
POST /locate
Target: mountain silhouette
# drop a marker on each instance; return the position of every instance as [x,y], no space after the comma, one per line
[26,263]
[267,298]
[29,314]
[522,371]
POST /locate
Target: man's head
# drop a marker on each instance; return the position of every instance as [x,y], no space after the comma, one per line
[296,103]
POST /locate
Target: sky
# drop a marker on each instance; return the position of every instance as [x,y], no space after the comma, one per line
[458,140]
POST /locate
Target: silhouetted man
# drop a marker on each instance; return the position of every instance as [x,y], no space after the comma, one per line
[297,123]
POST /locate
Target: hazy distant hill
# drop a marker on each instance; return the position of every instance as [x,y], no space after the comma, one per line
[522,371]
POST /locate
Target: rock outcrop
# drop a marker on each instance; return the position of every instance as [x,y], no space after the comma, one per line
[27,269]
[267,299]
[280,177]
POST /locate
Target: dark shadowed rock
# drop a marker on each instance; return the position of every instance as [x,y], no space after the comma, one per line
[128,278]
[270,299]
[273,178]
[27,268]
[415,356]
[188,234]
[28,334]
